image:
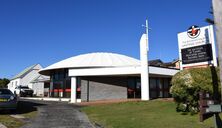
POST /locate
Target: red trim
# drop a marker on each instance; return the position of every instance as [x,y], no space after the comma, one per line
[58,90]
[55,90]
[130,90]
[67,90]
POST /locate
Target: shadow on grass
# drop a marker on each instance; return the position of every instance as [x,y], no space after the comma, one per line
[23,107]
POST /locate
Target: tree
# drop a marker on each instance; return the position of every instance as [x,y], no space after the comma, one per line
[187,84]
[4,82]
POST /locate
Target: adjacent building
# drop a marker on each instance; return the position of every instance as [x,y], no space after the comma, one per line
[29,77]
[159,63]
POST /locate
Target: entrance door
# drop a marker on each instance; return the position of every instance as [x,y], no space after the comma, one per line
[58,89]
[134,87]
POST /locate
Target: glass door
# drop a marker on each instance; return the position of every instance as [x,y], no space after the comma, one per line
[134,87]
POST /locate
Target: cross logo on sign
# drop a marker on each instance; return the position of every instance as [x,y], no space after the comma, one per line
[193,31]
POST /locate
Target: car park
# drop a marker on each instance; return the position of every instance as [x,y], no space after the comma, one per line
[23,91]
[7,100]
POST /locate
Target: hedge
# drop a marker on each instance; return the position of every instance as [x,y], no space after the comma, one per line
[187,84]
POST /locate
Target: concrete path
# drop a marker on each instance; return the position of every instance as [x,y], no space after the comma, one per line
[2,126]
[58,115]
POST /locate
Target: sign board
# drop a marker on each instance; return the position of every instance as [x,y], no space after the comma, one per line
[197,47]
[197,54]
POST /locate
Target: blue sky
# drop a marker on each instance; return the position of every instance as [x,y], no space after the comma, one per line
[47,31]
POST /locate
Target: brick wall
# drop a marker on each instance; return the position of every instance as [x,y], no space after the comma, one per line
[102,88]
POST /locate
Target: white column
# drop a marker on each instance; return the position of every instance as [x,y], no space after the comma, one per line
[73,90]
[144,68]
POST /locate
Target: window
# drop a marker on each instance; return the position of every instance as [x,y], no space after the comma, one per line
[161,91]
[153,84]
[5,92]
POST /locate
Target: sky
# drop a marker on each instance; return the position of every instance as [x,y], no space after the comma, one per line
[48,31]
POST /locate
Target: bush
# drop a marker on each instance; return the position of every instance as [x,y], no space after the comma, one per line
[4,82]
[187,84]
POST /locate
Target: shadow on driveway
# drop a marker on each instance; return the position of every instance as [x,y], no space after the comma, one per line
[27,107]
[22,108]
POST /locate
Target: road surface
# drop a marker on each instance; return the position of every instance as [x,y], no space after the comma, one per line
[58,115]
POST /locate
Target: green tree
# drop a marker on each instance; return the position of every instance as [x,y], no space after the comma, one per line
[187,84]
[4,82]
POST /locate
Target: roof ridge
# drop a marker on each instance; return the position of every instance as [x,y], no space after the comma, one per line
[24,72]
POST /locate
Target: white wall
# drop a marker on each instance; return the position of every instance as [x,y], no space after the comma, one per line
[120,71]
[38,88]
[104,71]
[25,81]
[30,76]
[14,83]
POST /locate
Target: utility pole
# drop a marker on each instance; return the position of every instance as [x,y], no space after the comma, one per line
[217,11]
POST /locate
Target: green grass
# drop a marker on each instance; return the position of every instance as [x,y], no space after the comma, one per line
[30,114]
[25,109]
[10,122]
[151,114]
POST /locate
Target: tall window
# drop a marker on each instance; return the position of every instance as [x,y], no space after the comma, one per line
[159,87]
[153,92]
[61,83]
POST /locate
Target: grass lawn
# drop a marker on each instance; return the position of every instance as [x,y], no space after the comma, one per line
[151,114]
[25,109]
[10,122]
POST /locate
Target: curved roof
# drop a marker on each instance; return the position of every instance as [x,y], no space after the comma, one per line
[91,60]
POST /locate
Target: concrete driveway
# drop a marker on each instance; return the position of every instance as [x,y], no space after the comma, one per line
[58,115]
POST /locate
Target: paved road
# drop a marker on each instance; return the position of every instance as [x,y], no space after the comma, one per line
[58,115]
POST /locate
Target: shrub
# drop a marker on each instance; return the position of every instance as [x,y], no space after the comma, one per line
[187,84]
